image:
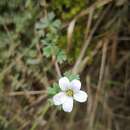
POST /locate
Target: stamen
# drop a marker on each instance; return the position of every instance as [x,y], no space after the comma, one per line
[69,92]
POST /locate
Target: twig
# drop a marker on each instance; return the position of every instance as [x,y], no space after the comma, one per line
[86,11]
[89,22]
[87,42]
[90,99]
[95,5]
[56,67]
[70,33]
[20,93]
[102,69]
[38,101]
[87,58]
[45,7]
[114,50]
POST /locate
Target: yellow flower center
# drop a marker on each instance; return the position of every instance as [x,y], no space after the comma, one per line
[69,92]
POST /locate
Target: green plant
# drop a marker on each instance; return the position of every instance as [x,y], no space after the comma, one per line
[48,31]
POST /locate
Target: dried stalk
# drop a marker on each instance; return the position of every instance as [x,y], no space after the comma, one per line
[87,42]
[102,69]
[57,68]
[20,93]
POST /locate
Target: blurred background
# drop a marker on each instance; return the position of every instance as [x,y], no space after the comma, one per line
[42,39]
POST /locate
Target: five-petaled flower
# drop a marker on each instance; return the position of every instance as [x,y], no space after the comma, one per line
[70,90]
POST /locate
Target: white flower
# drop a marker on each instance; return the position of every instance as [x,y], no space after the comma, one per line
[69,91]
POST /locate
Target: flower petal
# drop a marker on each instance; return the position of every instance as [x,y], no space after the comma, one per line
[59,98]
[64,83]
[75,85]
[80,96]
[68,104]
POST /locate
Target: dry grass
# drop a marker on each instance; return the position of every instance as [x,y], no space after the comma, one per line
[104,67]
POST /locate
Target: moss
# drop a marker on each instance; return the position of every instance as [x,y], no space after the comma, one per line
[67,9]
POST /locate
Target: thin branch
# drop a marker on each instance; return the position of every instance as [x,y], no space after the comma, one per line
[101,75]
[57,68]
[95,5]
[87,58]
[20,93]
[87,42]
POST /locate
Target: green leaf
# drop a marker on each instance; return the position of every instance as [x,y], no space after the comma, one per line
[54,89]
[61,57]
[47,51]
[39,26]
[51,16]
[50,101]
[56,24]
[49,37]
[71,76]
[45,42]
[40,33]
